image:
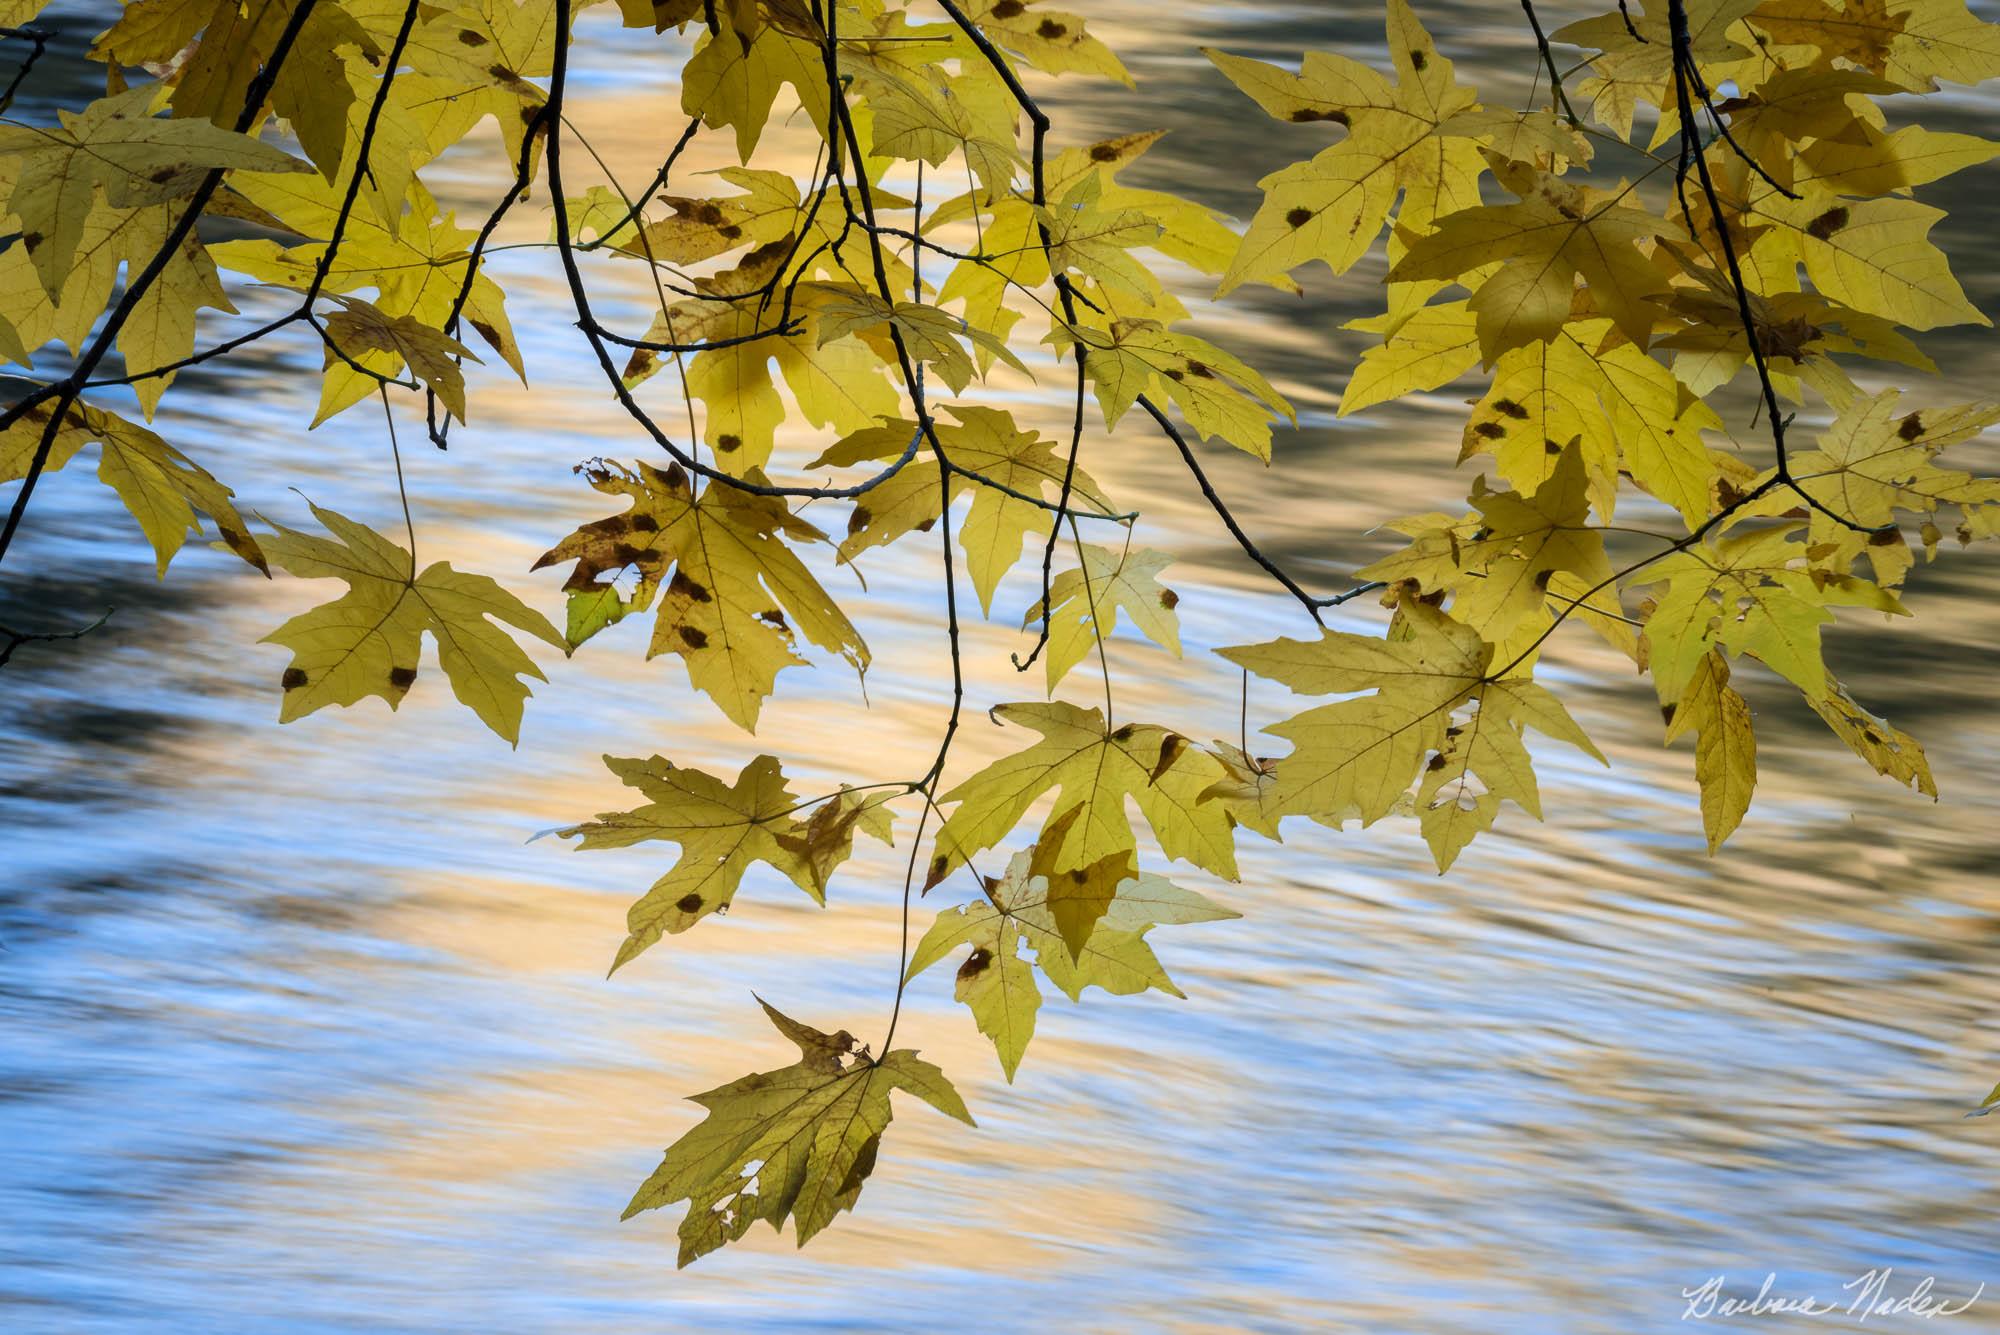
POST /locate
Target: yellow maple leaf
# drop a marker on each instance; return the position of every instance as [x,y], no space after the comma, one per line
[797,1142]
[366,642]
[1874,255]
[1725,756]
[1219,394]
[1085,603]
[738,597]
[1555,234]
[1016,911]
[1355,758]
[165,491]
[118,147]
[984,441]
[1049,39]
[211,76]
[1400,140]
[416,270]
[1635,56]
[1481,762]
[733,79]
[721,828]
[1748,593]
[1094,769]
[360,327]
[1912,42]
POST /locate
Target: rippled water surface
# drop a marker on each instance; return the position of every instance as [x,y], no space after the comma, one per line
[297,1031]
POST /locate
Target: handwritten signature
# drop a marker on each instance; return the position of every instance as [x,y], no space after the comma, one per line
[1868,1295]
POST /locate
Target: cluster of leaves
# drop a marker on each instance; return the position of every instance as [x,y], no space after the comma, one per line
[1734,208]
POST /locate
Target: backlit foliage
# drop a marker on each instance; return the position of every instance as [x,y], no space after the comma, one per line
[1718,193]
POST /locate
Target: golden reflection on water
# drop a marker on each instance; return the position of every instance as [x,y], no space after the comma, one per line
[1590,1067]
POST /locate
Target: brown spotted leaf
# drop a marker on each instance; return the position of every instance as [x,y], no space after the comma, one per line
[360,327]
[733,597]
[721,829]
[796,1142]
[366,641]
[1093,770]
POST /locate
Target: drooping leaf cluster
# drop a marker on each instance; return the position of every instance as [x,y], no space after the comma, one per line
[1676,284]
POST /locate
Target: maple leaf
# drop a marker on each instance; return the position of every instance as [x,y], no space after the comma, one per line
[1080,891]
[1093,769]
[165,491]
[1016,911]
[1657,422]
[1795,107]
[1088,239]
[115,146]
[1247,789]
[987,442]
[1877,162]
[797,1142]
[931,335]
[1635,55]
[1873,464]
[1483,761]
[477,59]
[360,327]
[1084,603]
[696,230]
[1798,333]
[916,110]
[1556,233]
[1530,551]
[1013,257]
[366,641]
[734,77]
[738,598]
[1725,756]
[840,381]
[1432,346]
[1431,697]
[998,986]
[1876,459]
[1585,385]
[1912,42]
[1480,762]
[159,330]
[659,15]
[211,77]
[1892,752]
[1049,39]
[415,268]
[826,840]
[1400,141]
[1219,394]
[1873,255]
[721,829]
[1541,137]
[1356,757]
[1749,593]
[766,216]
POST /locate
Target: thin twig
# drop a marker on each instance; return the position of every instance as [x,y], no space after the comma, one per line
[39,37]
[16,638]
[1560,93]
[1250,548]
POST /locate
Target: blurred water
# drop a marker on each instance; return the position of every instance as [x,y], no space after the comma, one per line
[300,1034]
